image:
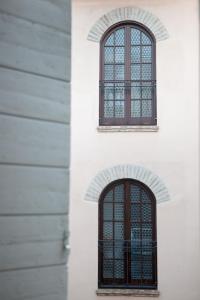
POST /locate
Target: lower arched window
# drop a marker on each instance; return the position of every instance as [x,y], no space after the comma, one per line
[127,236]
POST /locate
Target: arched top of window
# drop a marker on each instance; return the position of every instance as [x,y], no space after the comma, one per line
[127,236]
[128,76]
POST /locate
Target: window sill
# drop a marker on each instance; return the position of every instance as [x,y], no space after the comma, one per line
[149,128]
[127,292]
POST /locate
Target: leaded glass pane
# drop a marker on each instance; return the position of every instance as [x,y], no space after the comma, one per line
[119,72]
[107,230]
[119,91]
[146,71]
[147,267]
[107,268]
[135,72]
[136,267]
[119,109]
[119,193]
[119,269]
[109,55]
[135,54]
[109,91]
[119,212]
[119,37]
[109,197]
[108,109]
[135,193]
[147,233]
[146,91]
[145,39]
[146,108]
[145,197]
[110,40]
[146,212]
[135,235]
[135,212]
[136,90]
[135,108]
[135,36]
[119,249]
[119,55]
[108,249]
[146,54]
[108,212]
[119,231]
[109,74]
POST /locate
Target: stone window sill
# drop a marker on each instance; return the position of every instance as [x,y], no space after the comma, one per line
[127,128]
[127,292]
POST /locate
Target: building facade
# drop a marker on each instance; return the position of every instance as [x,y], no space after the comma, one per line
[154,150]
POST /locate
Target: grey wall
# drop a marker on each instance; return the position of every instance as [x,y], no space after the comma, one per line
[34,148]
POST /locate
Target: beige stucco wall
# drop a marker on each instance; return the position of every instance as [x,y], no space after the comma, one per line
[171,153]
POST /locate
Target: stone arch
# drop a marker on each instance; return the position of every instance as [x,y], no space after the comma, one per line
[131,14]
[103,178]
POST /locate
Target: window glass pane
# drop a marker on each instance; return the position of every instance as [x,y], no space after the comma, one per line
[147,234]
[136,90]
[108,230]
[119,212]
[135,193]
[108,109]
[147,267]
[119,109]
[146,91]
[109,197]
[107,249]
[135,212]
[110,40]
[146,213]
[146,54]
[119,193]
[119,269]
[119,72]
[109,74]
[109,55]
[145,39]
[119,249]
[119,37]
[145,197]
[146,108]
[108,211]
[135,54]
[136,267]
[146,72]
[119,91]
[107,268]
[119,54]
[135,36]
[135,109]
[135,72]
[109,91]
[119,231]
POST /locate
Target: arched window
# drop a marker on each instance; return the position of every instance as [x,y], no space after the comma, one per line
[128,76]
[127,236]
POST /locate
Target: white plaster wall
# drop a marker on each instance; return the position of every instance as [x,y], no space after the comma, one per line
[171,153]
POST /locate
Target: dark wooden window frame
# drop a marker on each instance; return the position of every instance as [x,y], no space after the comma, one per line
[127,120]
[127,282]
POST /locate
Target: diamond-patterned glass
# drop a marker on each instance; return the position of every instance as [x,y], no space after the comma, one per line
[108,268]
[135,54]
[146,233]
[109,55]
[119,37]
[119,249]
[146,212]
[135,108]
[109,197]
[119,91]
[109,91]
[135,72]
[135,233]
[119,212]
[119,54]
[119,269]
[110,40]
[147,267]
[109,74]
[136,268]
[135,212]
[146,91]
[108,249]
[146,108]
[145,39]
[135,36]
[146,54]
[135,193]
[107,230]
[145,197]
[108,109]
[146,71]
[119,193]
[119,72]
[108,211]
[119,230]
[136,90]
[119,109]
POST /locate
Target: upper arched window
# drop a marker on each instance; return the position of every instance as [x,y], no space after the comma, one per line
[127,236]
[128,76]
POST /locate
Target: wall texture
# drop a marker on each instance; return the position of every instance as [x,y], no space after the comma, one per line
[34,152]
[171,153]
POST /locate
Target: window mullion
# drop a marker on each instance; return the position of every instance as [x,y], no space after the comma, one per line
[127,73]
